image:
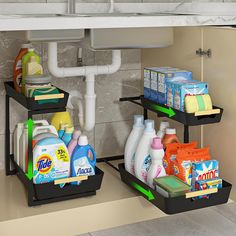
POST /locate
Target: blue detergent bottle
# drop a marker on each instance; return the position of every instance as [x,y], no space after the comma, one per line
[83,160]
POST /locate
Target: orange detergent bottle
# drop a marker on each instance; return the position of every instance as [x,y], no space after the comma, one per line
[170,137]
[17,69]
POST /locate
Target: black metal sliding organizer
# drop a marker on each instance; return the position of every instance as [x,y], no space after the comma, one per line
[179,204]
[43,193]
[187,119]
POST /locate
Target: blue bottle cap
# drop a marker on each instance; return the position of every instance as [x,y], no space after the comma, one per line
[149,126]
[138,121]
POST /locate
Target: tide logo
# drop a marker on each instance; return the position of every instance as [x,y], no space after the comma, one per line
[176,170]
[44,164]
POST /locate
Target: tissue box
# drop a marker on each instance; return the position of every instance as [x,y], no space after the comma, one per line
[178,90]
[147,83]
[159,77]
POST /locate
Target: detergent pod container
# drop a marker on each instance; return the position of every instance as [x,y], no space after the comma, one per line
[83,159]
[50,160]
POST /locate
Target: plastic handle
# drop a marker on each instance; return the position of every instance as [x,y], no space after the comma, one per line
[41,122]
[69,180]
[93,162]
[49,96]
[49,128]
[201,192]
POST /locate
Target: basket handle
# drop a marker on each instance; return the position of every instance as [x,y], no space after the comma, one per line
[201,192]
[48,96]
[207,113]
[71,179]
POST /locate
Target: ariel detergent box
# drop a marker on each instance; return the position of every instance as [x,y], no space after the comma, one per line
[159,77]
[51,160]
[204,170]
[178,90]
[208,184]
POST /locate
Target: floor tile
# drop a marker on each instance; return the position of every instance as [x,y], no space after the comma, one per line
[227,210]
[204,222]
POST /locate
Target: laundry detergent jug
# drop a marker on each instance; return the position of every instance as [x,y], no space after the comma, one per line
[83,159]
[50,160]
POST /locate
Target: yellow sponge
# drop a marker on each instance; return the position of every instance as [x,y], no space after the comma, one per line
[195,103]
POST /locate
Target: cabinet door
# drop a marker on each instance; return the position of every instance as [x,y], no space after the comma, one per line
[181,55]
[220,72]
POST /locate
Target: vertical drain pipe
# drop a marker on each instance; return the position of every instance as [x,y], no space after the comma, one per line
[89,72]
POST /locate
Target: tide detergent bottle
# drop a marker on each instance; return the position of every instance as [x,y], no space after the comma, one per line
[51,160]
[83,159]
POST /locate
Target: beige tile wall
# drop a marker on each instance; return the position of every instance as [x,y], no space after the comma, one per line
[113,119]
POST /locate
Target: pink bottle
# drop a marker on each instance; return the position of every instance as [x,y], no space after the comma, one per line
[74,141]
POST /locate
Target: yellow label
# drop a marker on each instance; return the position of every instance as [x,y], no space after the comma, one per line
[62,154]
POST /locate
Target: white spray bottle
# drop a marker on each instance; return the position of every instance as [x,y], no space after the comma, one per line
[132,143]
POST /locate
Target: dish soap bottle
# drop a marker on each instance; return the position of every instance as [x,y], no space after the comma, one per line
[83,159]
[33,67]
[17,71]
[25,61]
[142,159]
[132,143]
[156,169]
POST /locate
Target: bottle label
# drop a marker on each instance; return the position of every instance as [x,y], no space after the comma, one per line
[160,171]
[19,79]
[145,167]
[83,167]
[19,65]
[62,154]
[132,165]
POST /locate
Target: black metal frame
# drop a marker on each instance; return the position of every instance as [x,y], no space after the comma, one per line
[35,192]
[187,119]
[145,112]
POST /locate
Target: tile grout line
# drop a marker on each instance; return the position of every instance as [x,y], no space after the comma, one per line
[214,209]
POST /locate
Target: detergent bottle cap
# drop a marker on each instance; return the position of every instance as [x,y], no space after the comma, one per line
[170,131]
[138,121]
[156,144]
[149,126]
[76,134]
[20,125]
[83,140]
[63,126]
[69,130]
[164,125]
[26,45]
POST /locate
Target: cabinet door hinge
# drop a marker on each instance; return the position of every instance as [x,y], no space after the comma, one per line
[202,53]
